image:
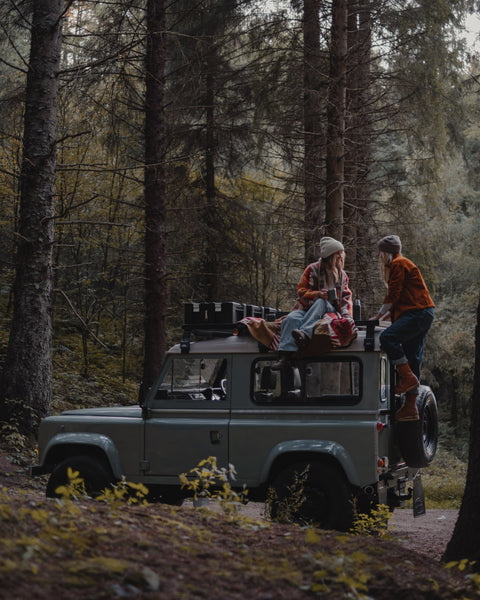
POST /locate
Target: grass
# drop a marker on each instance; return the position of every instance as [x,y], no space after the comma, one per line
[444,482]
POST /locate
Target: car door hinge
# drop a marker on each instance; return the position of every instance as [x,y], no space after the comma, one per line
[144,465]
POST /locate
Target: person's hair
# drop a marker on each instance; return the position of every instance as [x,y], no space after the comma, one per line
[385,263]
[332,272]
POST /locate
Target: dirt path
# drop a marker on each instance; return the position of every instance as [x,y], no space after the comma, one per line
[428,534]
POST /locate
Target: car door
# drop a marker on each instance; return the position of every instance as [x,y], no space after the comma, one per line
[188,416]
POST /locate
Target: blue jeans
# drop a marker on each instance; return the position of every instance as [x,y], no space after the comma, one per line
[404,340]
[305,320]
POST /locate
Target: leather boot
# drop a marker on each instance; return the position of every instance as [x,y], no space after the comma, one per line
[300,338]
[408,411]
[407,380]
[283,363]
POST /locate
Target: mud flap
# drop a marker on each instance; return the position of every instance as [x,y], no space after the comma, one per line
[418,497]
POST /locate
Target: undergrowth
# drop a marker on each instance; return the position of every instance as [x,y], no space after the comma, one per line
[444,482]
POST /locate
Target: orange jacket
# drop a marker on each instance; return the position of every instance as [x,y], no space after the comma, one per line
[406,288]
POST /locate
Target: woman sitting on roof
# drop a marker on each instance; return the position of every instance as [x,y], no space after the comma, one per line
[322,288]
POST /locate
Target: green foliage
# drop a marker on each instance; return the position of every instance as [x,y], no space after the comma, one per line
[444,481]
[208,480]
[121,493]
[375,523]
[287,507]
[348,571]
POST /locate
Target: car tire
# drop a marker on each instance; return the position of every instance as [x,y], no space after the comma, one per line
[418,440]
[95,475]
[327,497]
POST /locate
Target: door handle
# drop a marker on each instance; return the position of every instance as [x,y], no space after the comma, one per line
[216,437]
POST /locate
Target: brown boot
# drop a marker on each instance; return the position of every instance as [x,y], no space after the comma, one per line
[407,380]
[300,338]
[408,411]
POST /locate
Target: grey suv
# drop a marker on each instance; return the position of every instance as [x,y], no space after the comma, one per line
[330,416]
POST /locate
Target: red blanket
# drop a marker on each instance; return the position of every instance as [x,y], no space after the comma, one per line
[332,331]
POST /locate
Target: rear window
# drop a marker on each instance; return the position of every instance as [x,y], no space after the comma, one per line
[326,381]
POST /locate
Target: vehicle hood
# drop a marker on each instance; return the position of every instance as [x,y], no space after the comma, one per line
[133,412]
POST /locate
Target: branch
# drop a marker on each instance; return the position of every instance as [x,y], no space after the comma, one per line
[87,329]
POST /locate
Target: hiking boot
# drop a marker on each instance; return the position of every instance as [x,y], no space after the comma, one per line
[300,338]
[407,380]
[408,411]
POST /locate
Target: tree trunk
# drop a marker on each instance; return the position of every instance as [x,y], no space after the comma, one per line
[465,541]
[358,222]
[155,204]
[213,239]
[26,382]
[336,120]
[313,135]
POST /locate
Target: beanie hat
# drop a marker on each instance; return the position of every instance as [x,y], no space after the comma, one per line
[329,246]
[390,244]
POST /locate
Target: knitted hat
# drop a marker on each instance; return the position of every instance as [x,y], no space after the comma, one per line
[329,246]
[390,244]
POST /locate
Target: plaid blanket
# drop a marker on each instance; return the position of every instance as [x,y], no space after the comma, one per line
[332,331]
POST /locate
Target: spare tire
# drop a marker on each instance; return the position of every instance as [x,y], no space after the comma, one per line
[418,440]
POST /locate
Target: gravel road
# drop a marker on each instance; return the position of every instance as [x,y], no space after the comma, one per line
[428,534]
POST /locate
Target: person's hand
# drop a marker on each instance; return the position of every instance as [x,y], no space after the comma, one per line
[323,294]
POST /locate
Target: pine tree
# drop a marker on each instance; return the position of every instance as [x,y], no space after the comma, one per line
[26,381]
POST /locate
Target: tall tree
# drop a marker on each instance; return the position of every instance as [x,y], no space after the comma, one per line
[155,201]
[313,106]
[336,120]
[26,381]
[465,541]
[358,218]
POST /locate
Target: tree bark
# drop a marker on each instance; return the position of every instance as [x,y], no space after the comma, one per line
[154,193]
[336,120]
[213,245]
[314,139]
[465,541]
[26,382]
[358,223]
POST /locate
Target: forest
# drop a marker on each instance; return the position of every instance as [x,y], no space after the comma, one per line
[155,153]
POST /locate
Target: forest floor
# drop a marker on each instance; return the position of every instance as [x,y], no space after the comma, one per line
[83,549]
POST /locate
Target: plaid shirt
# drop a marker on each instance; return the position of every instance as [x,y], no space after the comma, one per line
[313,280]
[406,288]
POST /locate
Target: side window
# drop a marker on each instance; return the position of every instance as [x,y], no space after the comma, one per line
[194,378]
[275,386]
[335,381]
[311,381]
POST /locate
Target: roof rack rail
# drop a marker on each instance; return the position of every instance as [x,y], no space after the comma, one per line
[369,342]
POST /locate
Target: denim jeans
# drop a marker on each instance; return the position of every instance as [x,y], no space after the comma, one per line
[405,338]
[303,320]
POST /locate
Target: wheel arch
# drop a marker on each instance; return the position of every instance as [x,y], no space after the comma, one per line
[97,446]
[309,450]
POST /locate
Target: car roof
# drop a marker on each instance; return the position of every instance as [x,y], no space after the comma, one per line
[246,344]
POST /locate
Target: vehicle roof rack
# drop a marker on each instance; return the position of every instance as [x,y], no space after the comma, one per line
[369,341]
[220,319]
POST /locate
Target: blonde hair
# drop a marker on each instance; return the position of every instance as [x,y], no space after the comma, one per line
[332,271]
[385,263]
